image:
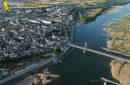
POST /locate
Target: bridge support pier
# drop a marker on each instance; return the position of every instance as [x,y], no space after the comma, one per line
[85,47]
[105,83]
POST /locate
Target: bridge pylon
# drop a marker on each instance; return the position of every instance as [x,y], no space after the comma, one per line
[85,47]
[105,83]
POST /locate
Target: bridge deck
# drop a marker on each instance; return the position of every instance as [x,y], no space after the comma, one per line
[110,81]
[101,53]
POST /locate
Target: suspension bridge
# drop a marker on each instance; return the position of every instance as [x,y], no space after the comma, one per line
[85,49]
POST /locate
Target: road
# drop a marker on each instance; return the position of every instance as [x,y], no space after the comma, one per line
[101,53]
[26,70]
[54,59]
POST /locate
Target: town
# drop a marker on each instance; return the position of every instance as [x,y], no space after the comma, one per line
[33,35]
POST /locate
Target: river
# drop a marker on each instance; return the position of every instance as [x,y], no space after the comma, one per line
[87,69]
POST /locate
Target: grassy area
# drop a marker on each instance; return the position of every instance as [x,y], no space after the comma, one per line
[121,25]
[126,18]
[123,22]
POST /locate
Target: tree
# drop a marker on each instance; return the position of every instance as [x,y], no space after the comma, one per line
[57,50]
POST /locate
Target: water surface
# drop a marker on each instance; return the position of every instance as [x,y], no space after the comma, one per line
[87,69]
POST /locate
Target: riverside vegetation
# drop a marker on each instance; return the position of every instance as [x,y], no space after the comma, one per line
[89,8]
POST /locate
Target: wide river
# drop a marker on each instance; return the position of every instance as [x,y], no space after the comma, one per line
[87,69]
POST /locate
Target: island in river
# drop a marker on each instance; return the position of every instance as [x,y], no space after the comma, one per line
[119,36]
[119,42]
[121,71]
[90,13]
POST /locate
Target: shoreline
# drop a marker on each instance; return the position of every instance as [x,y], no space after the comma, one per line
[62,56]
[66,51]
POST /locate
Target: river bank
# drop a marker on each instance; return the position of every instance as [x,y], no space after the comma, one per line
[118,42]
[51,33]
[79,55]
[80,65]
[120,71]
